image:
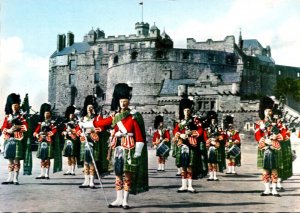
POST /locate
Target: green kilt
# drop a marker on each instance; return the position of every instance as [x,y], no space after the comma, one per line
[193,155]
[50,154]
[284,160]
[19,148]
[82,151]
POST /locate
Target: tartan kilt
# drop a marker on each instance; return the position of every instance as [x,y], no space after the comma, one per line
[284,160]
[260,158]
[193,155]
[174,148]
[19,148]
[49,150]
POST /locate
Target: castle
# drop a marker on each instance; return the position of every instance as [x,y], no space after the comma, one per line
[215,74]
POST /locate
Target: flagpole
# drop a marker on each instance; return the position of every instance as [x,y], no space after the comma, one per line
[142,3]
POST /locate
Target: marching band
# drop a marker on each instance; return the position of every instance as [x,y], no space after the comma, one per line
[199,144]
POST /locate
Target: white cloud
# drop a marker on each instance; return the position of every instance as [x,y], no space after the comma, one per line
[266,21]
[22,73]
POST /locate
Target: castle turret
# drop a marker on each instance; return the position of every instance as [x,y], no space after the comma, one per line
[61,42]
[268,51]
[91,36]
[154,31]
[142,28]
[70,39]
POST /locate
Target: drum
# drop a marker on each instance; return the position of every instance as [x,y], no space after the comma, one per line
[10,149]
[234,151]
[162,149]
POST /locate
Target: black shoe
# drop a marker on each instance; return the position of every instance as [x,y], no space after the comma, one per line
[210,179]
[182,191]
[216,179]
[7,182]
[280,189]
[192,191]
[67,174]
[42,177]
[16,183]
[126,207]
[82,187]
[263,194]
[112,206]
[47,178]
[228,173]
[93,187]
[276,195]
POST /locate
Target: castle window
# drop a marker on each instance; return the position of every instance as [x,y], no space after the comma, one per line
[71,79]
[159,54]
[121,47]
[116,59]
[72,65]
[279,72]
[142,45]
[96,78]
[134,55]
[298,74]
[97,64]
[185,55]
[111,47]
[132,46]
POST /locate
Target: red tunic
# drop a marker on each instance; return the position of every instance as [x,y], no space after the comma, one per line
[193,138]
[49,133]
[18,135]
[157,137]
[131,130]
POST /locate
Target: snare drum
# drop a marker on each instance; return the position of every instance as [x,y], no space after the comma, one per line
[234,151]
[162,150]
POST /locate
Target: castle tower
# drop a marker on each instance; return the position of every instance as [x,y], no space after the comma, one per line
[142,29]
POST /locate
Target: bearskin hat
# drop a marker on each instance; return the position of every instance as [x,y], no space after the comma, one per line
[184,104]
[70,110]
[11,99]
[228,121]
[265,103]
[121,91]
[158,119]
[45,107]
[89,100]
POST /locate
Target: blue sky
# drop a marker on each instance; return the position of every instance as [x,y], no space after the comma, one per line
[29,30]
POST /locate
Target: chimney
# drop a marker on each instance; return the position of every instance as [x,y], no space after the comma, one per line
[61,42]
[70,39]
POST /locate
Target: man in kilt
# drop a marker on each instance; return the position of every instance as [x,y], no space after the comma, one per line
[93,142]
[71,140]
[45,133]
[129,146]
[233,141]
[13,127]
[213,139]
[187,133]
[268,136]
[284,156]
[161,135]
